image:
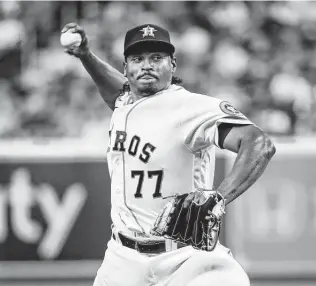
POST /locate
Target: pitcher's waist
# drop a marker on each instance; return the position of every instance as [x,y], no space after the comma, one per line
[147,246]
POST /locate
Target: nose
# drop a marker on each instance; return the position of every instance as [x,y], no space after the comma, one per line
[147,64]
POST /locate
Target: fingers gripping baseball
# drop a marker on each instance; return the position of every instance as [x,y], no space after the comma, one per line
[73,38]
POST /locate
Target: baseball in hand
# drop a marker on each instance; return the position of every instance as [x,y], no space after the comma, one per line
[69,39]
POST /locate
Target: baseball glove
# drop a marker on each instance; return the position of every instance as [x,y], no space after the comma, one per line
[193,219]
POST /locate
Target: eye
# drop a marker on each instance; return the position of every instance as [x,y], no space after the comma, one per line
[136,59]
[157,58]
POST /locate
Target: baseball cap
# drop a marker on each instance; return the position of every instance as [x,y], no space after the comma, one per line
[147,36]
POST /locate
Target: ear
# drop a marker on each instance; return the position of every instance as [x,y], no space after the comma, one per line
[124,67]
[174,64]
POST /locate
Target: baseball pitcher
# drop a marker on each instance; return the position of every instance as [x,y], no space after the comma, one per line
[166,213]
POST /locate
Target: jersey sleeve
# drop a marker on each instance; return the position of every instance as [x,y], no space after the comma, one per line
[123,100]
[202,127]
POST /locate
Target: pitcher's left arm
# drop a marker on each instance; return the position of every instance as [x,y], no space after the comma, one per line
[254,150]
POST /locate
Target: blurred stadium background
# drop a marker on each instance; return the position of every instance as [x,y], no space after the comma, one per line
[54,185]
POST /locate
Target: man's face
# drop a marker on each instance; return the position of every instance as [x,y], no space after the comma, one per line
[149,72]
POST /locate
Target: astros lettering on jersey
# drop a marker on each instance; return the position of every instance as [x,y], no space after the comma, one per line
[160,146]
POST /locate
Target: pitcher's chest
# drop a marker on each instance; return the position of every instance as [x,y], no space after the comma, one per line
[146,134]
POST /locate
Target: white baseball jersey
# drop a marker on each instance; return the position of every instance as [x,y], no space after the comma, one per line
[160,146]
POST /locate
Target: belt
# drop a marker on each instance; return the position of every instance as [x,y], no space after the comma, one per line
[142,246]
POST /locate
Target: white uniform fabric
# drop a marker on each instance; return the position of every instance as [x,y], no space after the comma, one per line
[159,146]
[186,266]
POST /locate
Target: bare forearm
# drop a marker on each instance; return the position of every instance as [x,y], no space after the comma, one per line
[108,79]
[252,159]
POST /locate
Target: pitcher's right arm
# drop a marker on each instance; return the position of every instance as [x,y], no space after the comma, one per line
[107,79]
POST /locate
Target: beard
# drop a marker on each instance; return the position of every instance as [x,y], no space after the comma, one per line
[147,89]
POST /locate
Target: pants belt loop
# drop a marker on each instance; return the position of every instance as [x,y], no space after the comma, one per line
[174,245]
[171,245]
[116,236]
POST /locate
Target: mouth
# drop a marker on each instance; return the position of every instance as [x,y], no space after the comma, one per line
[147,77]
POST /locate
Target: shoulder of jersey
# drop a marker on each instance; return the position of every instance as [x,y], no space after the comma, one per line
[193,99]
[198,98]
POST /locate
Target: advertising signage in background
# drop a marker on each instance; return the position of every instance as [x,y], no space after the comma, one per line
[53,210]
[271,229]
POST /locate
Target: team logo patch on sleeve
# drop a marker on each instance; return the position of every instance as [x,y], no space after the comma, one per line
[227,108]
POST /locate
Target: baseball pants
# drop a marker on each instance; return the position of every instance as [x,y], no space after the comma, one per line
[123,266]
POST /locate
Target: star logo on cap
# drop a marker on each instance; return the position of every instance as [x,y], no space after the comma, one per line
[148,31]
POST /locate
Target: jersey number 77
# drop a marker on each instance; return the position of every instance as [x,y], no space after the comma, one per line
[151,175]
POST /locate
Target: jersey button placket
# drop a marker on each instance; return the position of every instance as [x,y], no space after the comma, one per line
[122,170]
